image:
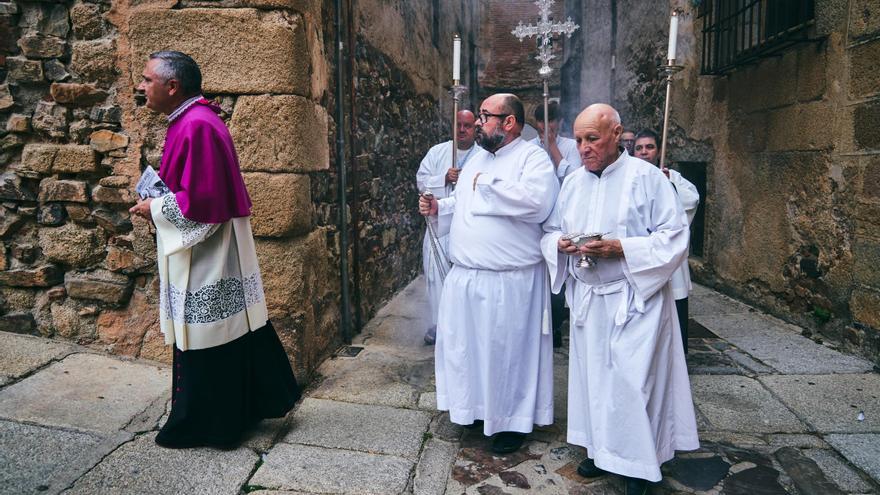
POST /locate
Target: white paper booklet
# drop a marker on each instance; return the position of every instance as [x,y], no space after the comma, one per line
[150,185]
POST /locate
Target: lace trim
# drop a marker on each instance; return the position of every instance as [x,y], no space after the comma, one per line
[190,231]
[213,302]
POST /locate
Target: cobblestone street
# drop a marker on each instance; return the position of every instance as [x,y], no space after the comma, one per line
[778,414]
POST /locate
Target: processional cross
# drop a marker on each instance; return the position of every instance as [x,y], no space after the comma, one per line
[544,30]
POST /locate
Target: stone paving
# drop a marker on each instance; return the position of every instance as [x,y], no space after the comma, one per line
[778,414]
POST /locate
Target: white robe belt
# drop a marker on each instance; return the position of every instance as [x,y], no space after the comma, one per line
[585,294]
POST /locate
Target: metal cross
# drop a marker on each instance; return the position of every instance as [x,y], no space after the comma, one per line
[544,29]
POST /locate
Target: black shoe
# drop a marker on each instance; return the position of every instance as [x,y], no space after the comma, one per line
[431,336]
[636,486]
[588,469]
[478,423]
[507,442]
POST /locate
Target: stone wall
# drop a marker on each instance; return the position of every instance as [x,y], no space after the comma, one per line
[74,138]
[790,147]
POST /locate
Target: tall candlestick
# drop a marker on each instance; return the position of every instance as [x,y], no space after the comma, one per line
[673,36]
[456,58]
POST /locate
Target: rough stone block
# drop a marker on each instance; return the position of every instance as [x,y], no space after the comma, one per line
[39,46]
[800,127]
[48,18]
[123,330]
[866,259]
[112,221]
[22,70]
[864,18]
[87,21]
[115,180]
[112,195]
[241,51]
[42,276]
[51,119]
[830,403]
[6,99]
[11,142]
[812,73]
[100,285]
[23,323]
[55,70]
[71,244]
[862,450]
[8,8]
[87,392]
[865,65]
[288,270]
[19,355]
[38,157]
[68,323]
[18,123]
[36,458]
[163,470]
[309,469]
[302,6]
[95,61]
[865,307]
[81,95]
[72,159]
[872,178]
[282,204]
[51,214]
[12,189]
[754,409]
[280,134]
[10,223]
[63,190]
[866,125]
[104,141]
[380,429]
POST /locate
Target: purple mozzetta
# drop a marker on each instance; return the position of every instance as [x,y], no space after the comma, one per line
[200,166]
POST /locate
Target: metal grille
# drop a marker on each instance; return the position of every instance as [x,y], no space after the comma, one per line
[738,32]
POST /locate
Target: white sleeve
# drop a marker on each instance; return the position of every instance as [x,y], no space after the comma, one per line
[529,199]
[650,261]
[177,232]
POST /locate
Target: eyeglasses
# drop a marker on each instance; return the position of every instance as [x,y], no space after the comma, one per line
[484,116]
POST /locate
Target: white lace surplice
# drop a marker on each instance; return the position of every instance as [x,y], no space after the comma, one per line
[210,288]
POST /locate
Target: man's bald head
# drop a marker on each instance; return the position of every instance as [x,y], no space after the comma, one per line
[597,130]
[466,129]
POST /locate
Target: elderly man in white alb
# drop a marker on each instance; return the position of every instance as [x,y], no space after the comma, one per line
[629,399]
[494,354]
[437,175]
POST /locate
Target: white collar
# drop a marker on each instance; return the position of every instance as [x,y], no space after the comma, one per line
[183,107]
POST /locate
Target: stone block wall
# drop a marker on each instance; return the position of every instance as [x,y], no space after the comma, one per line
[790,146]
[75,136]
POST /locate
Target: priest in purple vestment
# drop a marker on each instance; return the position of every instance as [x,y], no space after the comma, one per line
[230,369]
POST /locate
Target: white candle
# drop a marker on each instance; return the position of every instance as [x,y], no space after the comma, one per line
[673,36]
[456,58]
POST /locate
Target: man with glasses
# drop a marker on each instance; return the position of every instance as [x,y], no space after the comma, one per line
[494,346]
[437,175]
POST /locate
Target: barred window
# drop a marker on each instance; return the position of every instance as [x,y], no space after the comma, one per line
[738,32]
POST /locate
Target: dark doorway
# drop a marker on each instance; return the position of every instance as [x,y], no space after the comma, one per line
[695,172]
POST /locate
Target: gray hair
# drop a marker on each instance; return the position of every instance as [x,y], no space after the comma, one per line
[179,66]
